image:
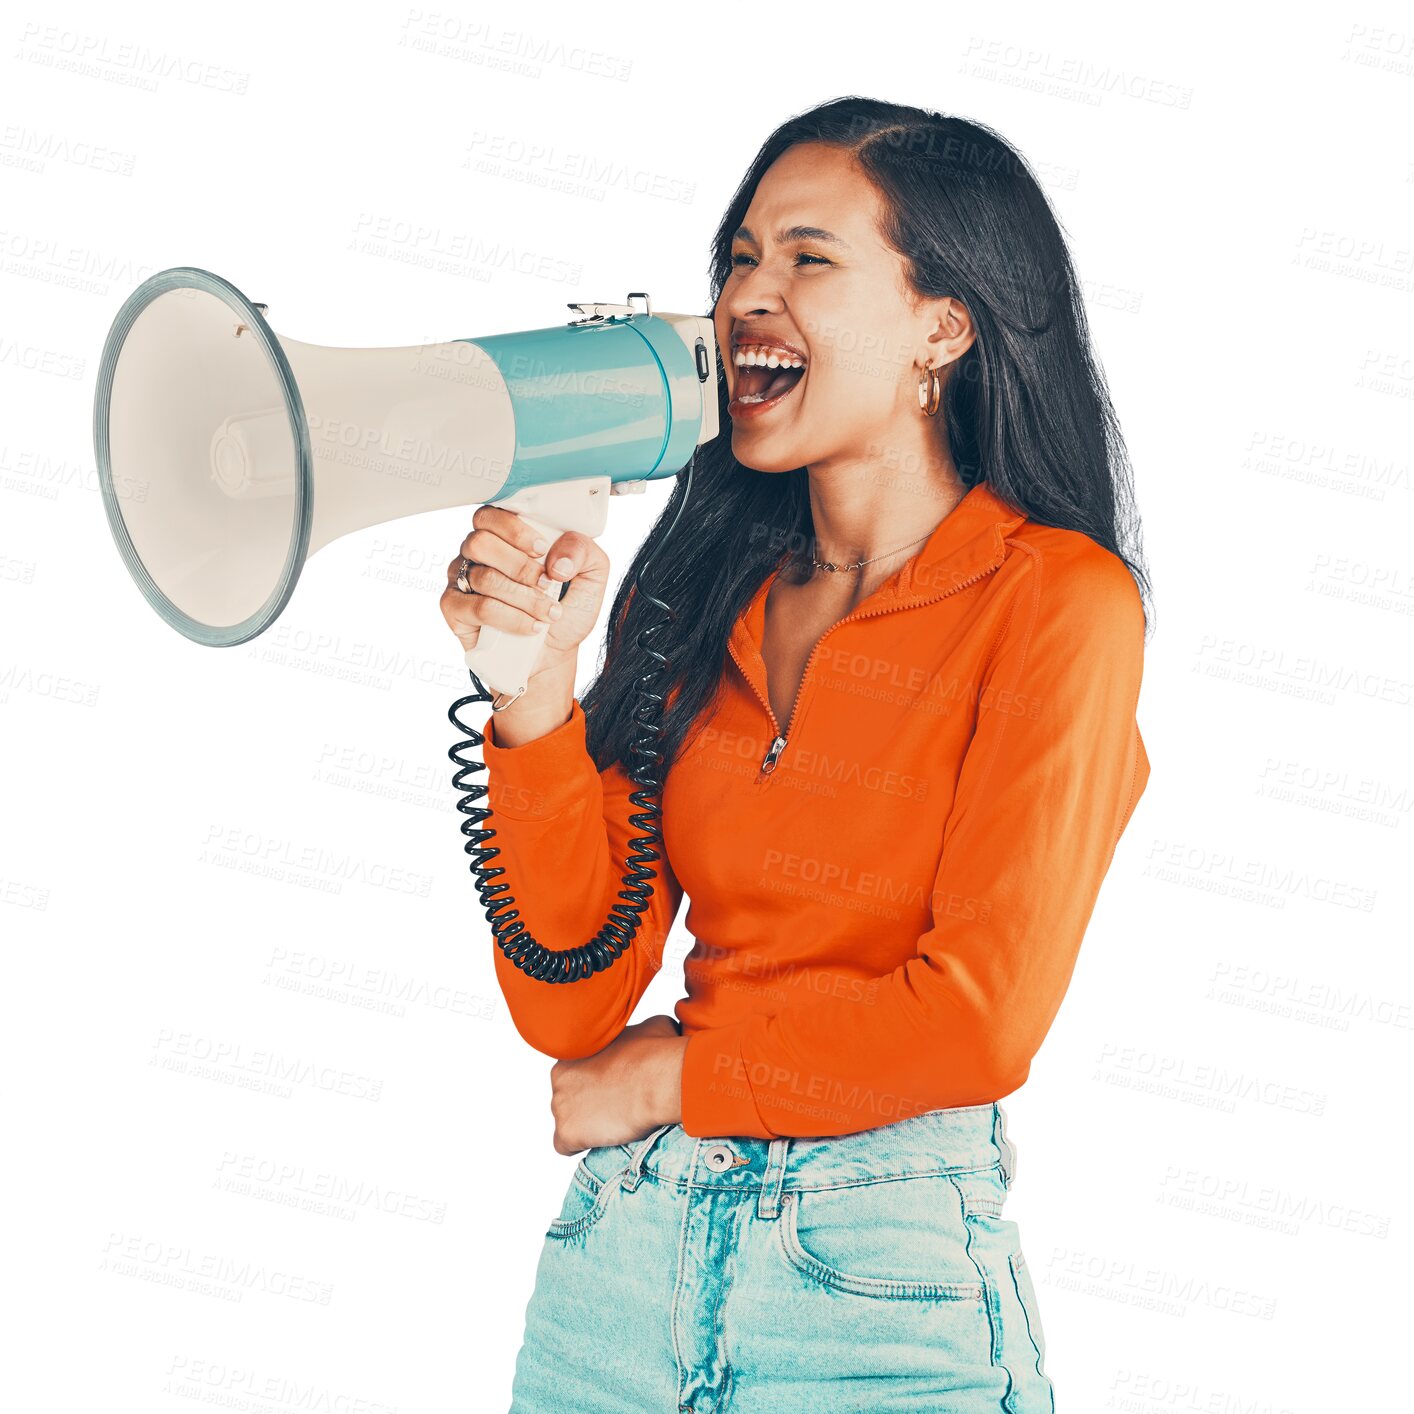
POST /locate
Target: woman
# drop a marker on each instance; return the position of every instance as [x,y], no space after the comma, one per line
[900,747]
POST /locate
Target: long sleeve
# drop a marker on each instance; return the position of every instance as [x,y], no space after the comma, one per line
[1050,778]
[563,829]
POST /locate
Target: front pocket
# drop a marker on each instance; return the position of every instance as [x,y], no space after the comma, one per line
[900,1239]
[587,1196]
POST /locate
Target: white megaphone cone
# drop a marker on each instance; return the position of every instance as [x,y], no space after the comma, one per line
[228,455]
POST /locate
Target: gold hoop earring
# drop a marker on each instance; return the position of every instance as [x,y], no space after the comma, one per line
[930,391]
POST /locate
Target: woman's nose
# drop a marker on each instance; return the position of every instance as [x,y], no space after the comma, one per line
[758,292]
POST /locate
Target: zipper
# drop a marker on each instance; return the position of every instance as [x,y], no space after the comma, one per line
[781,738]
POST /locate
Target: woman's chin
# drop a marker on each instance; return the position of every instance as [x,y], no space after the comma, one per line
[760,459]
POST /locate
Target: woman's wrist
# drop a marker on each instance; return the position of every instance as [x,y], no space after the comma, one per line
[664,1080]
[547,703]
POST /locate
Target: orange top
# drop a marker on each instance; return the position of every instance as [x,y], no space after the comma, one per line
[888,895]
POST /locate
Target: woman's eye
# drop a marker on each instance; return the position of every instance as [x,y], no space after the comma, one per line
[818,260]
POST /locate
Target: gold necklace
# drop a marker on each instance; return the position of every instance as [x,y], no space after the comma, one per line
[859,564]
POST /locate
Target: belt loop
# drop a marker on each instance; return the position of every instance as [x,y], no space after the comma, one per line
[768,1201]
[633,1175]
[1004,1145]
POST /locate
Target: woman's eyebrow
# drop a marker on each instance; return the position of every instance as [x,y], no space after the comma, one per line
[794,233]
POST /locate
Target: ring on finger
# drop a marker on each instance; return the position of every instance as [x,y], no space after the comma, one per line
[461,580]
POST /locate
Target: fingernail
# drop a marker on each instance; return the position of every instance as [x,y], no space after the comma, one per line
[539,546]
[556,610]
[563,566]
[545,582]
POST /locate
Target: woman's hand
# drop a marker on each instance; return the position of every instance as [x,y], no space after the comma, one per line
[509,592]
[621,1093]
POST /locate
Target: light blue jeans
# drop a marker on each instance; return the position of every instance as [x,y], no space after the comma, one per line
[847,1275]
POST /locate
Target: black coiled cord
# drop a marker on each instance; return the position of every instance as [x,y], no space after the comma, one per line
[621,927]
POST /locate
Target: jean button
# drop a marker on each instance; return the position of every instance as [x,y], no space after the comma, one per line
[719,1157]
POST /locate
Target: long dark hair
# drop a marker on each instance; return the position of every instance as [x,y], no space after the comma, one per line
[1026,407]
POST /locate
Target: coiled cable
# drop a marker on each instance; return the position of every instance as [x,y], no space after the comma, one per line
[612,940]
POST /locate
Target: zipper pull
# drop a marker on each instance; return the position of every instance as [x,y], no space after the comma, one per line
[768,763]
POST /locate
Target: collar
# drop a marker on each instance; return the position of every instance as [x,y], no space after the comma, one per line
[968,542]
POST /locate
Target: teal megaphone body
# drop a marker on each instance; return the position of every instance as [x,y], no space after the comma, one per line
[228,454]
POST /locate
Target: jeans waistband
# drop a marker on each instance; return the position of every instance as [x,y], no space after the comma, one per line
[938,1141]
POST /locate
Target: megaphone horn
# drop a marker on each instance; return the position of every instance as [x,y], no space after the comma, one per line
[239,452]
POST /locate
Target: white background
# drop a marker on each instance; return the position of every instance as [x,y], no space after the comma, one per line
[1212,1143]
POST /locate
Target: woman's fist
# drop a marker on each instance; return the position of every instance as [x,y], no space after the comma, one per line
[510,594]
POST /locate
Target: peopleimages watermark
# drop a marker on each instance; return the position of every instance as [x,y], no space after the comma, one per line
[839,1096]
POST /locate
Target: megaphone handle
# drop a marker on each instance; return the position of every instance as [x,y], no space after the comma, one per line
[503,661]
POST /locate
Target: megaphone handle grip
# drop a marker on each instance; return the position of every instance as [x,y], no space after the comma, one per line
[502,660]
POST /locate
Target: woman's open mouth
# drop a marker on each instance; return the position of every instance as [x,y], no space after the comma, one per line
[759,388]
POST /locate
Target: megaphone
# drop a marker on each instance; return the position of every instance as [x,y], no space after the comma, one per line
[228,454]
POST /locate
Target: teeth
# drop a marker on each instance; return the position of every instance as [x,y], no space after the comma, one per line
[762,357]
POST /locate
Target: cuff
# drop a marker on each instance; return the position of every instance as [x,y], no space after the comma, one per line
[544,777]
[716,1094]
